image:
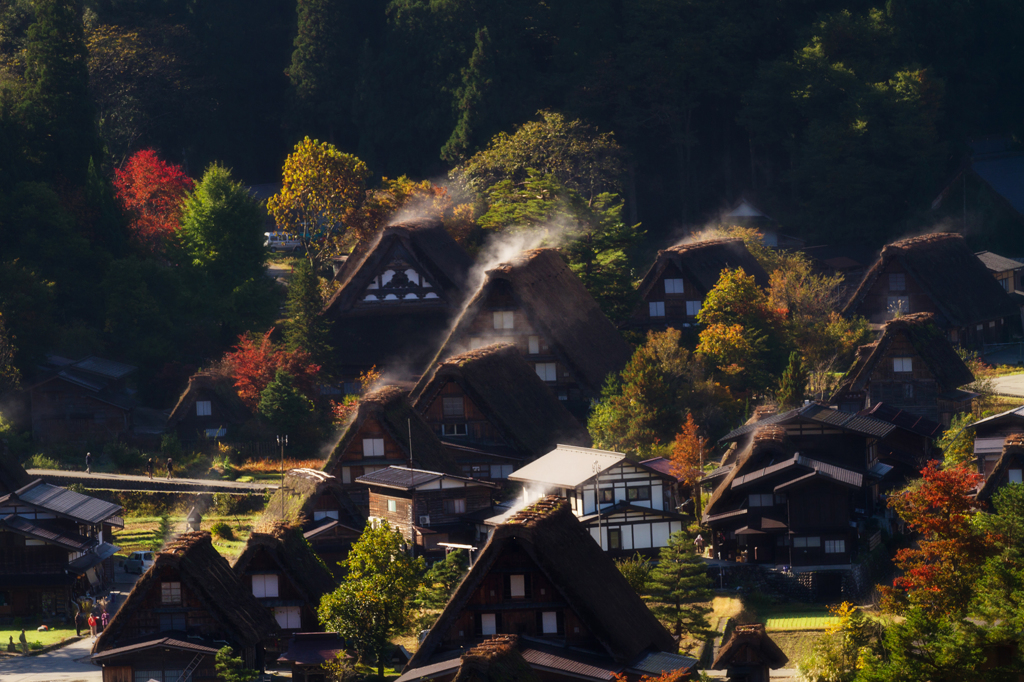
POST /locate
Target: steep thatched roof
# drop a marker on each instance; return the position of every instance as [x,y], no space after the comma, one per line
[1013,451]
[504,386]
[289,550]
[585,576]
[750,645]
[391,407]
[495,660]
[194,561]
[12,474]
[558,307]
[215,383]
[703,262]
[959,284]
[294,502]
[928,341]
[400,336]
[770,438]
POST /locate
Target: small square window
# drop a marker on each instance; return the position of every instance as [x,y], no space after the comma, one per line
[903,364]
[172,621]
[638,493]
[607,495]
[453,430]
[534,342]
[549,619]
[373,447]
[264,586]
[392,505]
[692,308]
[170,593]
[488,624]
[674,286]
[455,506]
[835,546]
[656,308]
[614,538]
[517,586]
[1014,476]
[897,281]
[454,406]
[503,319]
[547,371]
[762,500]
[203,408]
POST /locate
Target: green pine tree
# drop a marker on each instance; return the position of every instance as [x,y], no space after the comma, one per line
[679,587]
[231,668]
[283,405]
[469,100]
[793,383]
[307,328]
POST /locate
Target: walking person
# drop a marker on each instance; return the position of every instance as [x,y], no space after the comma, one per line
[78,624]
[149,468]
[104,619]
[92,625]
[170,467]
[699,543]
[88,462]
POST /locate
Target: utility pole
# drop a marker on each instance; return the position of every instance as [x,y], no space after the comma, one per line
[282,441]
[597,502]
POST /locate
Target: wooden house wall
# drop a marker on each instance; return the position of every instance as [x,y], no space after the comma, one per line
[519,614]
[193,427]
[916,391]
[354,464]
[145,618]
[479,429]
[1002,428]
[675,304]
[638,531]
[819,506]
[63,412]
[123,668]
[264,564]
[618,479]
[410,507]
[875,305]
[1003,479]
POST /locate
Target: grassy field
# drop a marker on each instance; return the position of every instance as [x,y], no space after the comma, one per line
[798,622]
[140,533]
[796,645]
[37,640]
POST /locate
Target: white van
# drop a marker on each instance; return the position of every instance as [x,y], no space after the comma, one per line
[282,241]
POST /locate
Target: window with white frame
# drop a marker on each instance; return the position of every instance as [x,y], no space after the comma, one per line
[548,371]
[903,364]
[288,617]
[392,505]
[457,506]
[203,408]
[692,308]
[453,406]
[453,430]
[517,586]
[549,622]
[674,286]
[656,308]
[503,319]
[170,592]
[534,343]
[897,281]
[637,493]
[264,586]
[373,447]
[762,500]
[1014,475]
[806,543]
[835,546]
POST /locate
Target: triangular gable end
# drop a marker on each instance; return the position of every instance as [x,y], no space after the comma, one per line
[412,283]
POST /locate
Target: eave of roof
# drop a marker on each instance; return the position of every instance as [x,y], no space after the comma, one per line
[568,466]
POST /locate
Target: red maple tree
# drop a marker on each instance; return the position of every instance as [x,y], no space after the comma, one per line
[151,191]
[940,573]
[255,361]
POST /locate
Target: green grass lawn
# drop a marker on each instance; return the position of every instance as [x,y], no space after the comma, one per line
[798,622]
[37,640]
[140,533]
[796,645]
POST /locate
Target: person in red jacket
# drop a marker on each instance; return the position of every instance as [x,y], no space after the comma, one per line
[92,625]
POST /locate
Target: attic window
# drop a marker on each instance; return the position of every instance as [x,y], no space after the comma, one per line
[897,281]
[392,505]
[534,342]
[692,308]
[170,593]
[454,429]
[503,319]
[903,364]
[264,586]
[488,624]
[1014,476]
[674,286]
[288,617]
[203,408]
[656,308]
[547,371]
[373,447]
[517,586]
[454,406]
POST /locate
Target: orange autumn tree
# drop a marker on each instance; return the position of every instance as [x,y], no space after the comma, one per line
[667,676]
[255,361]
[151,192]
[401,198]
[688,455]
[940,573]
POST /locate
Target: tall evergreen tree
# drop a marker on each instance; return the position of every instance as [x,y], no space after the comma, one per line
[793,383]
[59,108]
[469,100]
[307,328]
[680,586]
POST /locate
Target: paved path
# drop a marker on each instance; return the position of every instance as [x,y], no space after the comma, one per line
[1011,385]
[62,665]
[157,483]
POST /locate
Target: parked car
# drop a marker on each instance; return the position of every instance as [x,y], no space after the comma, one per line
[282,241]
[138,562]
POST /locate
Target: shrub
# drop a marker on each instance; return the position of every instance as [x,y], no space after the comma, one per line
[41,461]
[222,530]
[636,570]
[125,458]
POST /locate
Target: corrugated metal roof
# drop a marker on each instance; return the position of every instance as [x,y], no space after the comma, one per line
[427,672]
[106,368]
[831,471]
[161,642]
[661,662]
[1015,412]
[93,558]
[997,263]
[569,661]
[867,426]
[47,532]
[567,466]
[717,473]
[67,502]
[988,446]
[404,478]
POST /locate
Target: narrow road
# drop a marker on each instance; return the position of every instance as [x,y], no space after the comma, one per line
[104,481]
[70,664]
[1011,385]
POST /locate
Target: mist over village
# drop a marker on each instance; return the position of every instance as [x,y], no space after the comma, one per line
[523,341]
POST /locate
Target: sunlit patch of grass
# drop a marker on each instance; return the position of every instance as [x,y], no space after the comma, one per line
[36,639]
[140,533]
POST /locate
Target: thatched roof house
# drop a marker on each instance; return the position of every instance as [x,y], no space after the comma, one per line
[681,276]
[397,297]
[990,436]
[281,570]
[936,273]
[187,605]
[1007,470]
[379,436]
[209,407]
[750,654]
[535,302]
[549,582]
[495,660]
[491,409]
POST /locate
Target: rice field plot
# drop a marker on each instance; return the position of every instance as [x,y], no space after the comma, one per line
[796,621]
